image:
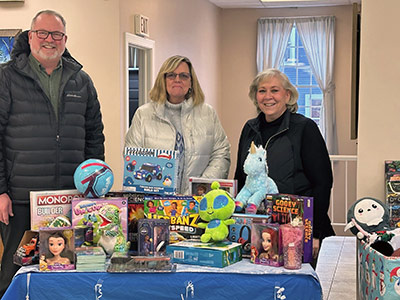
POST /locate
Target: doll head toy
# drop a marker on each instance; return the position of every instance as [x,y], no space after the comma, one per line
[57,243]
[257,184]
[216,208]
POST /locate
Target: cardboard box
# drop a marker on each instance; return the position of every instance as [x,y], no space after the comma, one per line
[240,232]
[153,236]
[51,208]
[150,171]
[28,251]
[201,186]
[379,275]
[219,254]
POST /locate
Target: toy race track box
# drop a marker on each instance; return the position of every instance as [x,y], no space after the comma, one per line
[135,213]
[56,249]
[153,236]
[215,254]
[110,213]
[28,250]
[240,232]
[51,208]
[378,275]
[201,186]
[182,213]
[282,207]
[150,171]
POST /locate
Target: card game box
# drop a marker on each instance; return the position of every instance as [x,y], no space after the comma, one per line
[92,212]
[201,186]
[51,208]
[149,170]
[240,232]
[56,249]
[215,254]
[182,213]
[284,207]
[153,236]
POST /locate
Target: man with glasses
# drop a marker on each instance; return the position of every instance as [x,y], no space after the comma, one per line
[50,121]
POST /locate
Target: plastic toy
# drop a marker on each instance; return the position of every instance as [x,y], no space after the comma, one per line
[257,184]
[93,178]
[216,207]
[112,238]
[148,172]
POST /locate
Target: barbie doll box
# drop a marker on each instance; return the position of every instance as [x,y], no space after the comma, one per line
[109,213]
[149,170]
[215,254]
[51,208]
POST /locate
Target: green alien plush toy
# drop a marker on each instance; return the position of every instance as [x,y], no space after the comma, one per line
[216,208]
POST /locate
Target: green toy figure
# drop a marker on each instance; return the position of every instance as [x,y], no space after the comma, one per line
[216,207]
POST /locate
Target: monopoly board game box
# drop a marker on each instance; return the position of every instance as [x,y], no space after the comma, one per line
[378,275]
[282,207]
[216,254]
[51,208]
[91,212]
[150,170]
[181,211]
[240,232]
[201,186]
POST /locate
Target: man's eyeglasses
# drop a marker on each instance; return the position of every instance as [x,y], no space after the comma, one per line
[182,76]
[43,34]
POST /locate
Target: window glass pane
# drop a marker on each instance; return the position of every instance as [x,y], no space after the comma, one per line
[304,77]
[303,60]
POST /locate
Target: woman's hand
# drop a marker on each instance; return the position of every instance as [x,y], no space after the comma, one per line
[315,248]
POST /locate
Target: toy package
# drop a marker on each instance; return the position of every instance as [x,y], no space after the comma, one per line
[182,213]
[28,250]
[150,170]
[101,214]
[215,254]
[51,208]
[240,232]
[285,207]
[266,246]
[120,263]
[292,245]
[90,259]
[392,190]
[201,186]
[153,236]
[56,250]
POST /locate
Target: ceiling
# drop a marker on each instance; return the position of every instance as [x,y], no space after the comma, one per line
[280,4]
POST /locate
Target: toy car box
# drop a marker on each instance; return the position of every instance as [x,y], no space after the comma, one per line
[149,170]
[216,254]
[51,208]
[201,186]
[28,251]
[88,212]
[378,275]
[182,213]
[240,232]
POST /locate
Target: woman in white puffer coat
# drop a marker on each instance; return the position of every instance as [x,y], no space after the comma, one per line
[178,119]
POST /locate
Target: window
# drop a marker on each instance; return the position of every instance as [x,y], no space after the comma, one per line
[296,66]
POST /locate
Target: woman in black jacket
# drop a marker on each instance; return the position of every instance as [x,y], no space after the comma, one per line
[297,156]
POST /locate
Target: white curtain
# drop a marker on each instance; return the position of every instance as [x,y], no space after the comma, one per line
[272,38]
[318,37]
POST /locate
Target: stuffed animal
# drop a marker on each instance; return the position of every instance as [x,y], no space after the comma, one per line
[368,219]
[257,184]
[112,238]
[216,208]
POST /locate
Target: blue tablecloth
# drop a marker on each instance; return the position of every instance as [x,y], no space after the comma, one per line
[242,280]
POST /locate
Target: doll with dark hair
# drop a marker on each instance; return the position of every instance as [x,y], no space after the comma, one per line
[57,249]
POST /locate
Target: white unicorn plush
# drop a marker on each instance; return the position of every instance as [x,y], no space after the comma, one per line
[257,184]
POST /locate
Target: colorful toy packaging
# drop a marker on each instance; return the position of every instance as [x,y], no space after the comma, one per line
[292,245]
[266,246]
[150,171]
[56,250]
[240,232]
[215,254]
[201,186]
[51,208]
[28,250]
[285,207]
[153,236]
[96,212]
[182,213]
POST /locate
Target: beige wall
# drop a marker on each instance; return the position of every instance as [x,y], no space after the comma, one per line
[220,43]
[379,100]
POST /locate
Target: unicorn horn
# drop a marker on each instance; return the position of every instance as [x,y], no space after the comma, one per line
[252,148]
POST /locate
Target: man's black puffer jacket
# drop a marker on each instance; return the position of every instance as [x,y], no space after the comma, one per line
[39,151]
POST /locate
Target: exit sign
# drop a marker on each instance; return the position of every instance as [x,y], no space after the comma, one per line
[141,25]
